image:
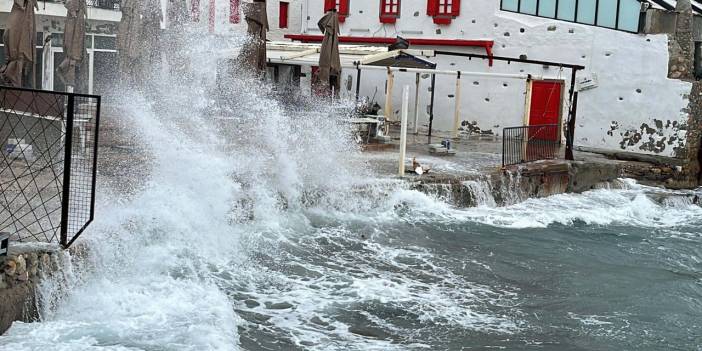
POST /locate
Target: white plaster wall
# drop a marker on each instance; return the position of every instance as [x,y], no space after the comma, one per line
[633,91]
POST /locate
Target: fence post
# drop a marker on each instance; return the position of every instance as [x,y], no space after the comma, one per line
[403,129]
[68,154]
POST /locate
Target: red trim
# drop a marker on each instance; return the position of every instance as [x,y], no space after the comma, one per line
[308,38]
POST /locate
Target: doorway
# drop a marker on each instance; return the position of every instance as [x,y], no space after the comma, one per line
[546,106]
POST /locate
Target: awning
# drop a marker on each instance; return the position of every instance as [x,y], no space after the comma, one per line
[307,54]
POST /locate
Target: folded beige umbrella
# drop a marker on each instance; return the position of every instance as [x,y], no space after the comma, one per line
[73,43]
[253,53]
[329,60]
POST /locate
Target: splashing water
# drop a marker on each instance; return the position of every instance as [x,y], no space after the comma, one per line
[255,225]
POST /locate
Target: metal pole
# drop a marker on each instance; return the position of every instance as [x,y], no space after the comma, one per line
[416,105]
[403,129]
[457,111]
[68,149]
[431,107]
[571,129]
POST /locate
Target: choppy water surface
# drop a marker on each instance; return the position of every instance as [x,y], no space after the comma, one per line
[248,228]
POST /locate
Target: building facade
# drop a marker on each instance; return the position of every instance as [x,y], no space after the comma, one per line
[101,61]
[629,98]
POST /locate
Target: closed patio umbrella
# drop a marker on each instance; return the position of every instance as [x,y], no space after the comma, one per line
[128,39]
[329,61]
[254,52]
[20,42]
[73,43]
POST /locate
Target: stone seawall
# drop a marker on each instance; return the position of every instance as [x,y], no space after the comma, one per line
[22,271]
[519,183]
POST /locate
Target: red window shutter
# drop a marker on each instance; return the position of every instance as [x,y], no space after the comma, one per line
[432,7]
[343,10]
[456,10]
[234,16]
[329,5]
[283,15]
[195,10]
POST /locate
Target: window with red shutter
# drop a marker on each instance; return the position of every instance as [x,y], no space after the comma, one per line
[195,10]
[443,11]
[341,6]
[343,9]
[283,14]
[234,16]
[389,11]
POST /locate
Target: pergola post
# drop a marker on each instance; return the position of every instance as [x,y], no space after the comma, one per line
[416,105]
[358,82]
[431,107]
[388,94]
[457,111]
[403,129]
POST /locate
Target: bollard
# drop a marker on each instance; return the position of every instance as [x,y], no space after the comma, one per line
[4,243]
[403,129]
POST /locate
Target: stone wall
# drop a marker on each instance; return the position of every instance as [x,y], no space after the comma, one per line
[22,270]
[681,66]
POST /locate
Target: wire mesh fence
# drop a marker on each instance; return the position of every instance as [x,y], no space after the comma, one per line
[48,164]
[530,143]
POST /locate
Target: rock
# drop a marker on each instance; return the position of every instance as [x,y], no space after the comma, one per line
[251,303]
[21,265]
[318,321]
[45,262]
[278,306]
[10,267]
[23,277]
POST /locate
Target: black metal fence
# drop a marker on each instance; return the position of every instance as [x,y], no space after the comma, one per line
[48,164]
[530,143]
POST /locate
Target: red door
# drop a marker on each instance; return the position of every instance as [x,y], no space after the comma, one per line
[546,107]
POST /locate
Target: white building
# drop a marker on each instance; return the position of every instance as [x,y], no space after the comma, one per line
[626,100]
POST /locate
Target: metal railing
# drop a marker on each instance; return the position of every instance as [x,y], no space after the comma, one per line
[530,143]
[48,164]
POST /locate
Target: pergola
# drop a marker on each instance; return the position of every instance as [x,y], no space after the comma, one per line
[416,61]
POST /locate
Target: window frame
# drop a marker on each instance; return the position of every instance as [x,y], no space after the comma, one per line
[443,9]
[575,15]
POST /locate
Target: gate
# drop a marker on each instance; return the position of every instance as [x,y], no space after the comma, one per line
[529,143]
[48,165]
